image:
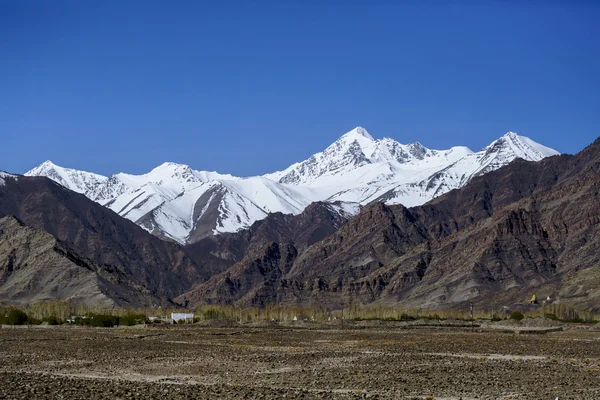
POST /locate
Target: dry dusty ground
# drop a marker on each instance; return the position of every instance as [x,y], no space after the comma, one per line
[297,362]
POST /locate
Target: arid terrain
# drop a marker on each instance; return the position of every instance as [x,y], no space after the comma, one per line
[376,360]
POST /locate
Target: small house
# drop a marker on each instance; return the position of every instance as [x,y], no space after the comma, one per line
[186,317]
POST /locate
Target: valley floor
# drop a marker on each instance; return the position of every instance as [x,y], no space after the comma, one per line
[271,362]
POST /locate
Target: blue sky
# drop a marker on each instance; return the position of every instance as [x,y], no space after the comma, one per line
[251,87]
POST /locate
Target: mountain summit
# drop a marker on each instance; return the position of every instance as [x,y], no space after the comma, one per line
[360,131]
[174,201]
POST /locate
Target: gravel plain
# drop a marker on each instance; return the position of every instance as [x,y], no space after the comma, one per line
[297,362]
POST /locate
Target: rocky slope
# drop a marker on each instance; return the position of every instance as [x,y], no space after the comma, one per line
[527,227]
[58,244]
[314,224]
[35,266]
[524,228]
[175,202]
[104,238]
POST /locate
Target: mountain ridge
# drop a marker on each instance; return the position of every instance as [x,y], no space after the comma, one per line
[99,234]
[525,228]
[177,203]
[528,227]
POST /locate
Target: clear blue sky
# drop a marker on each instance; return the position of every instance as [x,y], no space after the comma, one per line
[251,87]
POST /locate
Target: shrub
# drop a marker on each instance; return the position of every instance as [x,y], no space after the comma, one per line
[105,321]
[406,317]
[551,316]
[16,317]
[576,319]
[82,321]
[517,315]
[214,314]
[132,319]
[52,320]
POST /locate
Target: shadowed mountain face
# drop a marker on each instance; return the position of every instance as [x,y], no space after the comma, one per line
[100,235]
[526,228]
[259,246]
[314,224]
[109,260]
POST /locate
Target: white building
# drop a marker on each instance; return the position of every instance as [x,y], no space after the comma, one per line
[176,317]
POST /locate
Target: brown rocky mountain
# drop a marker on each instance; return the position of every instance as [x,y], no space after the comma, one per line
[525,228]
[103,237]
[314,224]
[34,266]
[108,259]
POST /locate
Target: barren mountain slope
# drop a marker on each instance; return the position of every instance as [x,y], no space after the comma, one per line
[35,266]
[101,235]
[315,223]
[525,227]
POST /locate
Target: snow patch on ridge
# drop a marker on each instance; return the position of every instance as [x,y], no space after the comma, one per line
[4,175]
[346,209]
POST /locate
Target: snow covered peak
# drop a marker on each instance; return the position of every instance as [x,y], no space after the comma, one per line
[539,148]
[352,150]
[357,155]
[170,165]
[77,181]
[45,166]
[358,131]
[355,146]
[177,202]
[169,170]
[513,145]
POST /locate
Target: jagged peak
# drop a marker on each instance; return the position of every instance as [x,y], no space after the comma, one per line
[359,131]
[171,165]
[520,146]
[416,145]
[511,134]
[49,165]
[46,165]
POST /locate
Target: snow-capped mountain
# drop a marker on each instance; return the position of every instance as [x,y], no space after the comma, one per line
[174,201]
[455,175]
[358,168]
[177,202]
[78,181]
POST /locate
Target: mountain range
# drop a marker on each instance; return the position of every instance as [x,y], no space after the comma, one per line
[526,228]
[42,222]
[175,202]
[511,227]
